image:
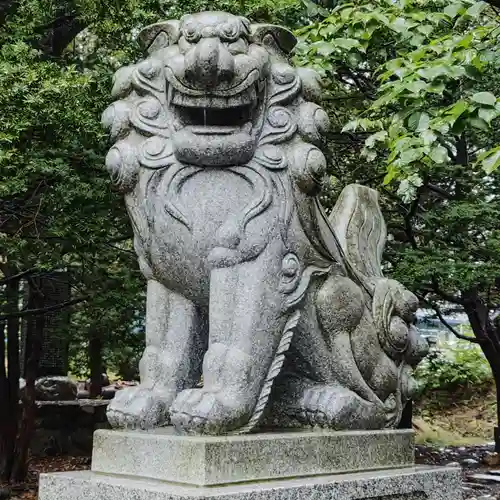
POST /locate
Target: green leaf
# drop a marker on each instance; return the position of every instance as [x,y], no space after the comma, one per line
[439,154]
[392,172]
[476,9]
[458,109]
[473,72]
[479,123]
[379,136]
[347,43]
[368,154]
[417,40]
[419,121]
[410,155]
[324,48]
[486,98]
[487,114]
[402,25]
[453,10]
[350,126]
[417,86]
[466,41]
[425,29]
[492,161]
[433,72]
[459,126]
[428,137]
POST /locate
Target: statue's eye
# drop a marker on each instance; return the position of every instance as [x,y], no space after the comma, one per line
[191,34]
[229,32]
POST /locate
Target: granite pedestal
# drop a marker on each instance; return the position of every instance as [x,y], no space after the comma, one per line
[275,466]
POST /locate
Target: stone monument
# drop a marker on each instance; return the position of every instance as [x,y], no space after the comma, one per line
[278,358]
[54,288]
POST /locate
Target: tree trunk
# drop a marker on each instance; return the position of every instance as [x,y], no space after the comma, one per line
[9,383]
[4,415]
[488,336]
[34,341]
[95,360]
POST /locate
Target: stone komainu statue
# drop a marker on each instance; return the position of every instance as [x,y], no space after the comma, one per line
[282,312]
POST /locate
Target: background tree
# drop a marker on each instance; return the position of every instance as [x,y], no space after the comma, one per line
[57,210]
[412,87]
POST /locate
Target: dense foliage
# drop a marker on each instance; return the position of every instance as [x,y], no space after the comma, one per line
[456,367]
[420,72]
[57,210]
[56,206]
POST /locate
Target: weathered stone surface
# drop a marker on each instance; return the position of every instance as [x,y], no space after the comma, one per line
[67,427]
[418,483]
[55,389]
[210,460]
[283,310]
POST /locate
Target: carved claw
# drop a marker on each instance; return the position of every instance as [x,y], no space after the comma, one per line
[337,408]
[197,411]
[140,408]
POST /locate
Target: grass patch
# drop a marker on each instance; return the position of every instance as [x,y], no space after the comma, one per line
[455,417]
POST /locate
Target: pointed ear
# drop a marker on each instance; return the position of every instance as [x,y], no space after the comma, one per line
[159,35]
[272,35]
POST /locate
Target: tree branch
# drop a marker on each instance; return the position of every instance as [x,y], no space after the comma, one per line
[439,314]
[17,276]
[44,310]
[448,148]
[409,216]
[445,296]
[440,191]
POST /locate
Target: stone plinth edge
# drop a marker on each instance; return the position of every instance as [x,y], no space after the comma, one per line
[411,483]
[206,461]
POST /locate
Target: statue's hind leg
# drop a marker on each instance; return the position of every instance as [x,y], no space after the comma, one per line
[171,361]
[333,393]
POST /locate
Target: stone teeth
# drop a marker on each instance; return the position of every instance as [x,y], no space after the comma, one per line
[181,99]
[247,97]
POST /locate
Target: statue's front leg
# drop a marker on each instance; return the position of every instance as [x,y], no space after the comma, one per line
[171,361]
[246,323]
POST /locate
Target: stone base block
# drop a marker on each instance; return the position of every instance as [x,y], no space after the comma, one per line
[411,483]
[216,460]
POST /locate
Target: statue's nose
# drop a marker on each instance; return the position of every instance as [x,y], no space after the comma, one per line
[209,63]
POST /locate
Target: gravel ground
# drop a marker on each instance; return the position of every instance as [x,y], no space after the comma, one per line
[474,461]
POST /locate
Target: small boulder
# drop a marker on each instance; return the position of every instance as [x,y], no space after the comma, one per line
[83,394]
[108,392]
[55,389]
[491,458]
[470,463]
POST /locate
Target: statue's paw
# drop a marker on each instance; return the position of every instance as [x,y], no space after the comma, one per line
[140,408]
[197,411]
[336,408]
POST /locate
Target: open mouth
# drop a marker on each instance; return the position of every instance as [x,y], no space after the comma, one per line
[207,115]
[210,120]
